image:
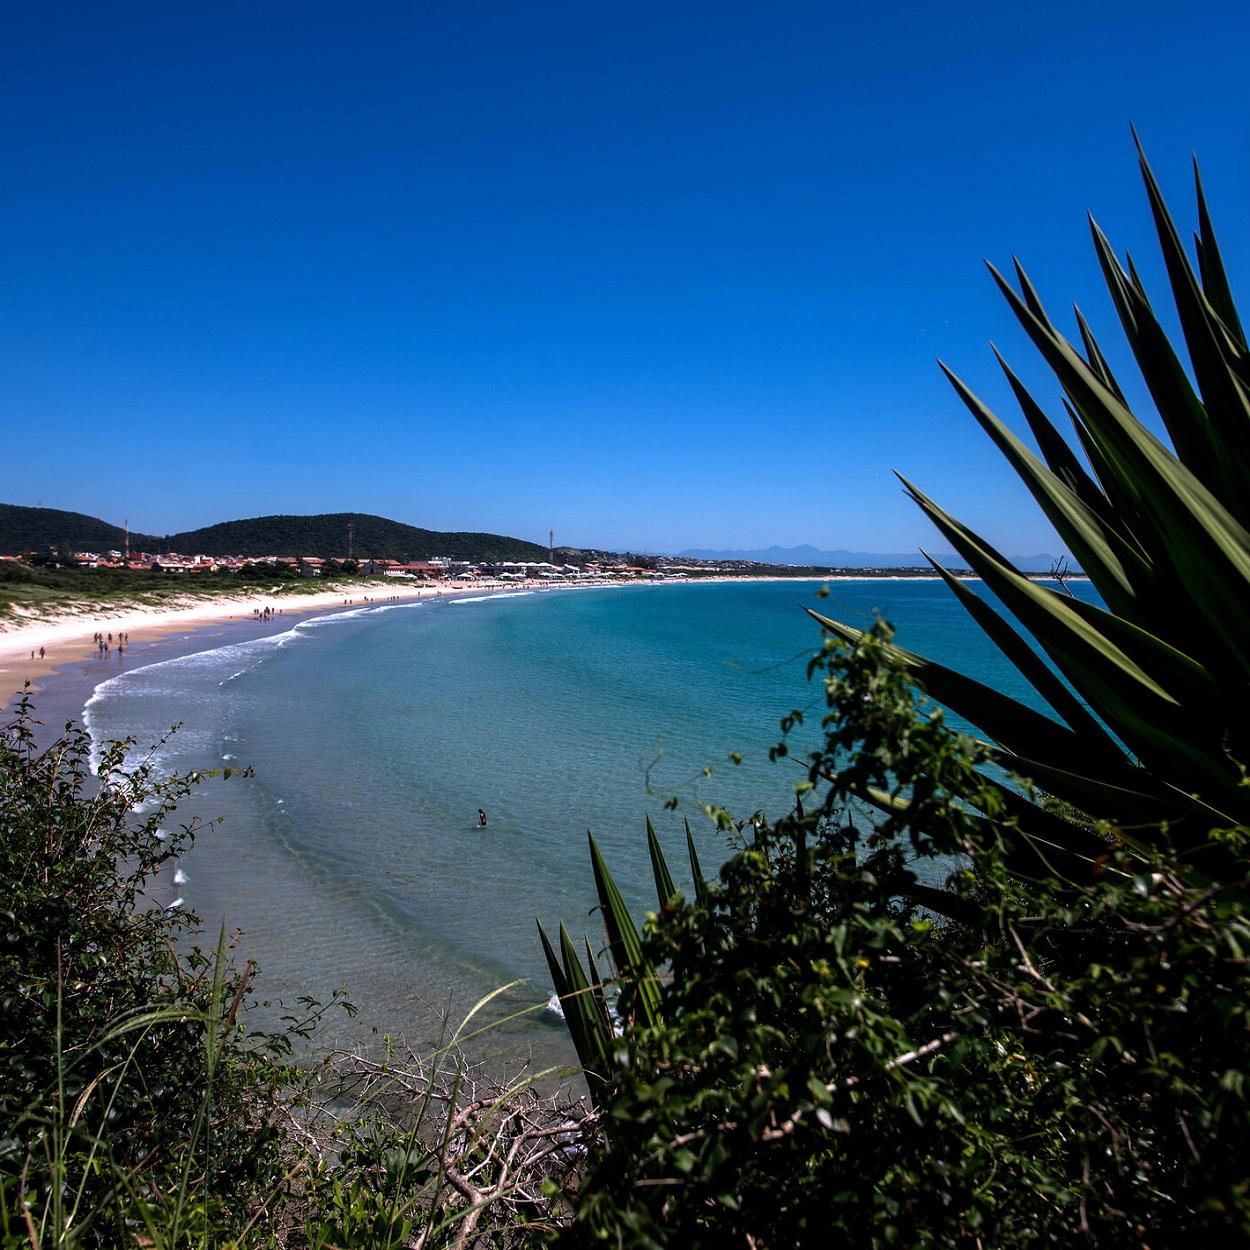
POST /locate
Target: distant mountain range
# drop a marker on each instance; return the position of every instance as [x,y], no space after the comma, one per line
[39,529]
[808,556]
[42,529]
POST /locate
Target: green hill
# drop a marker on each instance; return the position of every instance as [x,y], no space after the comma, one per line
[326,535]
[41,529]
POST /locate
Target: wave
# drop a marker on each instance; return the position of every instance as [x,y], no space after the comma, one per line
[513,594]
[248,654]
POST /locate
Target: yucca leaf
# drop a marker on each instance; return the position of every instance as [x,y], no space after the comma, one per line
[1162,371]
[1094,357]
[1029,294]
[1139,801]
[1211,266]
[1225,398]
[558,980]
[1038,845]
[700,886]
[1033,668]
[1208,548]
[1099,551]
[665,890]
[597,991]
[1183,413]
[1121,492]
[1013,725]
[623,941]
[1133,698]
[1055,450]
[581,1018]
[582,1007]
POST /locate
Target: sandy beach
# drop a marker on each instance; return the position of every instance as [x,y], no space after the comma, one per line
[66,637]
[71,663]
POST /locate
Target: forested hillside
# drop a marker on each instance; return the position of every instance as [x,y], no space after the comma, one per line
[38,529]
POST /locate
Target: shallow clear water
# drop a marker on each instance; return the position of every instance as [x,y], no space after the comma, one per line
[353,856]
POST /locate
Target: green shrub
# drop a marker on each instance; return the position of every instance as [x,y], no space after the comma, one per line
[139,1109]
[829,1060]
[129,1092]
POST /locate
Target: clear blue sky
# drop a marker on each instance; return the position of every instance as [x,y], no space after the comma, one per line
[657,275]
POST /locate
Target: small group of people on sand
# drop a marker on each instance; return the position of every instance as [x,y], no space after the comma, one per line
[104,642]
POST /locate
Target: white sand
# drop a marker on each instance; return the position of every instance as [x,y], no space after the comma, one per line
[67,635]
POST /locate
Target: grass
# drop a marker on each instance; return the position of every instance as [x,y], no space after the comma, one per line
[34,591]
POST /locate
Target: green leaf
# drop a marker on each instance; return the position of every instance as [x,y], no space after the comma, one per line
[700,886]
[664,887]
[623,941]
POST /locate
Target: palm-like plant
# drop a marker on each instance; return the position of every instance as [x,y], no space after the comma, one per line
[1147,733]
[1145,736]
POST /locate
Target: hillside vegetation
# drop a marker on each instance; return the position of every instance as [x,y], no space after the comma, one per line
[37,529]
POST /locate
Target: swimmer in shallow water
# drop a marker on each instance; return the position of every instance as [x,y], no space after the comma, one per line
[481,819]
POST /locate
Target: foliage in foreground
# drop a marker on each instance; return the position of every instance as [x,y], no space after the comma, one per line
[989,1014]
[122,1068]
[820,1056]
[138,1109]
[1146,729]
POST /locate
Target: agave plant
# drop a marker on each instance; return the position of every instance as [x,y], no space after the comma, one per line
[1144,738]
[1146,732]
[591,1020]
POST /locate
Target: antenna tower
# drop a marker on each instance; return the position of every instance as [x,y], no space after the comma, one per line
[551,542]
[126,544]
[351,531]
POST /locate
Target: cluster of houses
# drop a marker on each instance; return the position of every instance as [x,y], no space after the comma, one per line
[435,568]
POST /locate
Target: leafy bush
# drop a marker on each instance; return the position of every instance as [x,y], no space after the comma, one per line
[827,1057]
[129,1090]
[942,1005]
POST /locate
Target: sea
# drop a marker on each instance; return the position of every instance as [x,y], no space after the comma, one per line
[346,852]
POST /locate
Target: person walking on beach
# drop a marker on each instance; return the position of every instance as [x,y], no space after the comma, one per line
[481,819]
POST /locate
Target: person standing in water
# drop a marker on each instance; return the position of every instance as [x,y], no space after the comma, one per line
[481,819]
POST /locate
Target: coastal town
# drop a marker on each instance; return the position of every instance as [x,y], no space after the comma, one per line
[435,568]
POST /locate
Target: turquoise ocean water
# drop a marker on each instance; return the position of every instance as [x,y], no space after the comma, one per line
[352,857]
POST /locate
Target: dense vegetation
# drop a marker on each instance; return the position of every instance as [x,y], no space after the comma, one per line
[45,529]
[809,1052]
[940,1002]
[56,586]
[324,535]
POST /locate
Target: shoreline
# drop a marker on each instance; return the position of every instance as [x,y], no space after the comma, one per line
[65,676]
[66,637]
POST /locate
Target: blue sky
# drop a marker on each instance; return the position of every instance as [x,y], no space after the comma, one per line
[658,275]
